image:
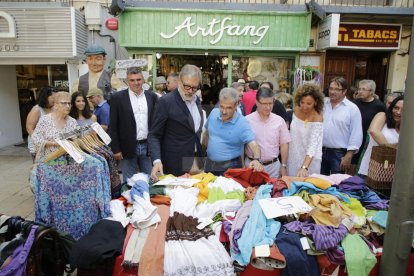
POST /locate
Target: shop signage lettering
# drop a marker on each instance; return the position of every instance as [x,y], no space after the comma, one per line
[61,83]
[369,35]
[216,28]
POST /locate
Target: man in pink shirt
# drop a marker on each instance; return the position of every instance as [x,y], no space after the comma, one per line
[249,97]
[271,133]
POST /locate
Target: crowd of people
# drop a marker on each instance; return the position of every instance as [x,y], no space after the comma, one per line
[282,134]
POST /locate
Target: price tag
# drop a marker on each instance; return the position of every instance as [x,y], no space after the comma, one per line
[73,152]
[262,250]
[101,133]
[304,242]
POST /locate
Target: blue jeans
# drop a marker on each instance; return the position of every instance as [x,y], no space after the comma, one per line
[141,162]
[218,168]
[331,160]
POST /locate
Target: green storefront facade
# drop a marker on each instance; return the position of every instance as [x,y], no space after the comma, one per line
[261,46]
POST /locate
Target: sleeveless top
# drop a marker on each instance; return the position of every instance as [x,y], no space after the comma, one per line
[392,138]
[29,138]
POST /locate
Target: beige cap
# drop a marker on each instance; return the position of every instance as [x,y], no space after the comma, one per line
[94,92]
[241,81]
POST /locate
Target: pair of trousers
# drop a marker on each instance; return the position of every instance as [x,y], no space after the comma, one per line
[331,160]
[141,162]
[218,168]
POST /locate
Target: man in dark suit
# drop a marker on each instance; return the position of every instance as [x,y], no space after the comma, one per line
[174,137]
[131,114]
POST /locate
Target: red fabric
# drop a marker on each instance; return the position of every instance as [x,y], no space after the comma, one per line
[278,186]
[223,236]
[247,177]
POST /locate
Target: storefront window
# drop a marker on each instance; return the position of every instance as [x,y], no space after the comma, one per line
[274,70]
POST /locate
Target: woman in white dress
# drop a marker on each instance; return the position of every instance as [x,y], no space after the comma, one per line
[384,129]
[306,131]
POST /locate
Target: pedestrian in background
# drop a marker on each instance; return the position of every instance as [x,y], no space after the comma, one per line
[80,110]
[101,107]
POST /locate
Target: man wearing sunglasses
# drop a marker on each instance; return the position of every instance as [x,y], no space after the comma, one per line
[174,137]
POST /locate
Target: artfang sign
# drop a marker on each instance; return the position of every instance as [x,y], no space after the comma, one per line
[369,35]
[333,34]
[217,28]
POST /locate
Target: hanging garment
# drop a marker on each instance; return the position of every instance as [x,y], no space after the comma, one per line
[189,249]
[71,197]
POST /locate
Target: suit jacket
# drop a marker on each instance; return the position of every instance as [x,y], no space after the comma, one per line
[172,137]
[123,128]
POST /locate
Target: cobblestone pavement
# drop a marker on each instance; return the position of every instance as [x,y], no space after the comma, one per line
[16,198]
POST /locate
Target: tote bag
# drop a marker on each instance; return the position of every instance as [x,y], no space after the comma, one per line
[381,168]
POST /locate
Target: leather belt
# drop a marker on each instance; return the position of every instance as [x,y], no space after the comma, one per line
[274,160]
[141,141]
[334,149]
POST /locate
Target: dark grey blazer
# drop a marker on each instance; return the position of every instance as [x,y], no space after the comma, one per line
[172,137]
[122,127]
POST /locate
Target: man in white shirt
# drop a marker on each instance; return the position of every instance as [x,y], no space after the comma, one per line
[131,115]
[342,131]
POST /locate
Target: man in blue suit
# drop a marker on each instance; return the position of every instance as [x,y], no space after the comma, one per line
[174,137]
[131,114]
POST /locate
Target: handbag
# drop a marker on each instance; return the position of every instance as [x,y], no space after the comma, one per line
[381,168]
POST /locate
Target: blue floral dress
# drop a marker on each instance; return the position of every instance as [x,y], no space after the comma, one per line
[72,197]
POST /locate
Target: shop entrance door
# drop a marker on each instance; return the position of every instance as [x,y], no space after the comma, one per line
[355,66]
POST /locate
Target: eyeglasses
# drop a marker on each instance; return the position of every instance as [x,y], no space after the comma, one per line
[65,103]
[193,88]
[363,89]
[336,89]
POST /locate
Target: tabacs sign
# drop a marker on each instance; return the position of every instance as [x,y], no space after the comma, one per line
[333,34]
[374,36]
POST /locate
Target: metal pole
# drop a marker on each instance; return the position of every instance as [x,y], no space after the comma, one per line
[400,225]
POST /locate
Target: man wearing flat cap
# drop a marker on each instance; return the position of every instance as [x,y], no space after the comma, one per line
[97,77]
[101,107]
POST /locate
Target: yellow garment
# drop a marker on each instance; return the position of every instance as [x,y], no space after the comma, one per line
[318,182]
[204,178]
[359,211]
[328,210]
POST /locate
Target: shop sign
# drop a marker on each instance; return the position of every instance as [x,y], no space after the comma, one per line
[328,32]
[121,67]
[213,30]
[333,34]
[369,35]
[216,28]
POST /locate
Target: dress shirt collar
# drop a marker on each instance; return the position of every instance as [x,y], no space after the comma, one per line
[133,94]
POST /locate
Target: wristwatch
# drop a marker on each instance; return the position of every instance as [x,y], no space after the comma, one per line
[284,165]
[304,167]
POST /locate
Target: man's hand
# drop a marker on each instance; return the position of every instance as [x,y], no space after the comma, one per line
[346,162]
[302,173]
[156,170]
[118,156]
[256,166]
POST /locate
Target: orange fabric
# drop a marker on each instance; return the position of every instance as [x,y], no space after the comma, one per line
[152,258]
[161,199]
